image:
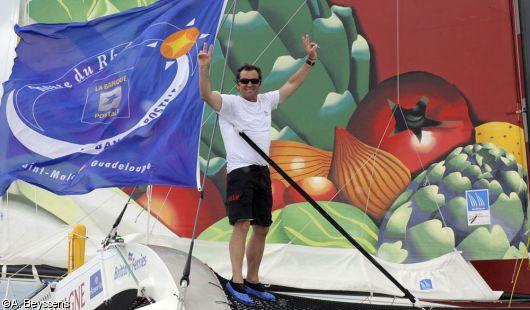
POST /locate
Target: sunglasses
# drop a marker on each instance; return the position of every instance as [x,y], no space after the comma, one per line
[246,81]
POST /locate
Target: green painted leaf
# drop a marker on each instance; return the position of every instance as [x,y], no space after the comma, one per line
[454,152]
[457,183]
[276,233]
[245,48]
[303,225]
[485,244]
[101,8]
[392,252]
[457,207]
[516,253]
[287,134]
[429,239]
[222,231]
[64,11]
[219,231]
[308,98]
[428,200]
[494,186]
[396,227]
[359,83]
[508,211]
[345,15]
[472,172]
[402,198]
[514,181]
[457,163]
[243,6]
[436,171]
[292,20]
[334,50]
[468,149]
[59,11]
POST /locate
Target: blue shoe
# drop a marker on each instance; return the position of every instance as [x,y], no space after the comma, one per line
[239,296]
[259,291]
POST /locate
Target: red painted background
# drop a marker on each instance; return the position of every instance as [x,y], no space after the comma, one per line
[469,43]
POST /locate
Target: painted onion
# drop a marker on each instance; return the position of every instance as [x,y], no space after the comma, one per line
[299,160]
[368,178]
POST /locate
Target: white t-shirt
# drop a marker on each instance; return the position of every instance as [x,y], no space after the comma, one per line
[254,119]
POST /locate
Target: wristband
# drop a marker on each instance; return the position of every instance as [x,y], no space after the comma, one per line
[310,62]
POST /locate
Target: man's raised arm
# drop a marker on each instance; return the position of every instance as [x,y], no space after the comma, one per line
[213,99]
[299,76]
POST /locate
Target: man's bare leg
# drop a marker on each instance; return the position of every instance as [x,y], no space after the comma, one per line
[255,248]
[237,249]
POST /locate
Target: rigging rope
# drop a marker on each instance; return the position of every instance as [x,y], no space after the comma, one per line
[256,60]
[149,200]
[522,115]
[265,48]
[403,115]
[161,209]
[63,239]
[184,281]
[279,31]
[517,274]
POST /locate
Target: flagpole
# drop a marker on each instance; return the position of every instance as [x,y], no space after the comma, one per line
[185,280]
[112,236]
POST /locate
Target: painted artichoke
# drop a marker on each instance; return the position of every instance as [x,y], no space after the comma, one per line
[430,218]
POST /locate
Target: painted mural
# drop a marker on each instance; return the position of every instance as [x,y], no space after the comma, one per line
[406,132]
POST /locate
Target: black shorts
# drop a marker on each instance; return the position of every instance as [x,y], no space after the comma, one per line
[249,195]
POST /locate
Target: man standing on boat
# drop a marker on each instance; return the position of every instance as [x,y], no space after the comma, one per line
[248,192]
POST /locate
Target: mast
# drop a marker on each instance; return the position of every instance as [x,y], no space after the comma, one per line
[521,16]
[185,279]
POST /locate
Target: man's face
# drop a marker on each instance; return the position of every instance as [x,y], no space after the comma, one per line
[245,85]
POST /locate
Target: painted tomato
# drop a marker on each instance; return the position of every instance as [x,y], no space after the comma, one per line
[319,188]
[278,188]
[179,209]
[428,120]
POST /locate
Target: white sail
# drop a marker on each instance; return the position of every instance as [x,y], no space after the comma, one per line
[420,228]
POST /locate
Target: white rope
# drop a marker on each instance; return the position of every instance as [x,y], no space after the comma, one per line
[35,200]
[276,36]
[40,256]
[159,211]
[522,119]
[149,200]
[280,31]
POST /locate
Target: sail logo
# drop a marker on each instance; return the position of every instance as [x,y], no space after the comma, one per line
[96,285]
[135,264]
[426,284]
[107,99]
[478,207]
[477,200]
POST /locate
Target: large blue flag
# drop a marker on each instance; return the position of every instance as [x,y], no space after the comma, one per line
[110,102]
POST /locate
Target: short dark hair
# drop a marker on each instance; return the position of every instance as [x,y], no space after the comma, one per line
[247,67]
